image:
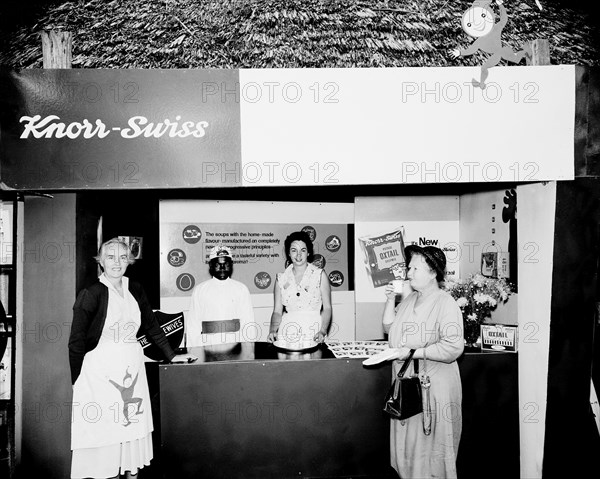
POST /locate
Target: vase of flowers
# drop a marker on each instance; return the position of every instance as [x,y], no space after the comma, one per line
[477,297]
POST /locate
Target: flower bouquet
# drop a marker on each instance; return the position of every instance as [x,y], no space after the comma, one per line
[477,297]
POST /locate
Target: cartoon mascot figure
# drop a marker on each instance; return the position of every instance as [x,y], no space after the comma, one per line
[479,22]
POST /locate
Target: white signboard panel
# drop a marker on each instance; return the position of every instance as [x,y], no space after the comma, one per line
[406,125]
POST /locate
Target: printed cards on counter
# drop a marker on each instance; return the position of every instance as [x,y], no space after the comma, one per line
[356,349]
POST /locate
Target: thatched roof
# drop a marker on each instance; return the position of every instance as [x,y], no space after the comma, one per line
[288,33]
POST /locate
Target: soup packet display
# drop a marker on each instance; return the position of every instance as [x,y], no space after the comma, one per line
[384,256]
[356,349]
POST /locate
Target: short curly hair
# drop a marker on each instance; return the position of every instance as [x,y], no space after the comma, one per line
[298,236]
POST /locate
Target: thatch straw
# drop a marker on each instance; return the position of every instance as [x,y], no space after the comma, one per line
[288,33]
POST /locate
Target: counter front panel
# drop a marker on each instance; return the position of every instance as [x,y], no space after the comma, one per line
[253,411]
[274,418]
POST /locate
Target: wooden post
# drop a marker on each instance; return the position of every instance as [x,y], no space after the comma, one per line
[56,48]
[540,49]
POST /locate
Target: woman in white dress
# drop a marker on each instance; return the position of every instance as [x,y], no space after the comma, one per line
[302,296]
[111,429]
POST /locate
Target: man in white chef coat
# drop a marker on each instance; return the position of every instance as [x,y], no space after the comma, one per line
[220,308]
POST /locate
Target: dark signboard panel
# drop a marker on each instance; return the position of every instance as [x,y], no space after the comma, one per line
[73,129]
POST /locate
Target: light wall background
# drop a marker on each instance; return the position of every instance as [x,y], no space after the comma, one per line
[464,226]
[285,214]
[482,230]
[430,217]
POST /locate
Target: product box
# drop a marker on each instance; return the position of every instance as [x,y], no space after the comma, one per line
[495,264]
[499,337]
[384,256]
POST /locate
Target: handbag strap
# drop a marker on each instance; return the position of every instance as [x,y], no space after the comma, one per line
[424,363]
[416,364]
[406,363]
[425,385]
[424,376]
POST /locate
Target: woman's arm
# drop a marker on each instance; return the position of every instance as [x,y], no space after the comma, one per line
[277,312]
[326,309]
[451,343]
[389,310]
[84,310]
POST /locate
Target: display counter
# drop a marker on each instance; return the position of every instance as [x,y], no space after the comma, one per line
[253,411]
[489,445]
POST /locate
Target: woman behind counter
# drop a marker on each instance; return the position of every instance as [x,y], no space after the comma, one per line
[111,430]
[304,290]
[429,321]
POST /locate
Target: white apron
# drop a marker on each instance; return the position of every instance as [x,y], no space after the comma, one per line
[111,402]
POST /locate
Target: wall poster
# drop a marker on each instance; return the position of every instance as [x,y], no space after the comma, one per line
[189,229]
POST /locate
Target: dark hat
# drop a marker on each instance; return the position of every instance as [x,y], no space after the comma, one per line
[435,258]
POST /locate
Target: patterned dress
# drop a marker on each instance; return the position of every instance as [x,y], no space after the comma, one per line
[302,304]
[436,325]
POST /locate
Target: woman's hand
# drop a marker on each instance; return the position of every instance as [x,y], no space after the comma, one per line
[389,291]
[320,337]
[402,353]
[272,337]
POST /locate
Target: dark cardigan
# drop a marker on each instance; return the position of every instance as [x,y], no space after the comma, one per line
[89,315]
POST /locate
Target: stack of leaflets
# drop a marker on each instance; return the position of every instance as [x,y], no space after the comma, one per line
[356,349]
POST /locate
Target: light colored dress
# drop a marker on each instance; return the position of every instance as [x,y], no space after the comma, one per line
[436,325]
[111,429]
[302,301]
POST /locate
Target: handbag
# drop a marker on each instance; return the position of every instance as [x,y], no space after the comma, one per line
[404,398]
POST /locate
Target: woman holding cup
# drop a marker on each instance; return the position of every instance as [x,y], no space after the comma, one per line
[429,321]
